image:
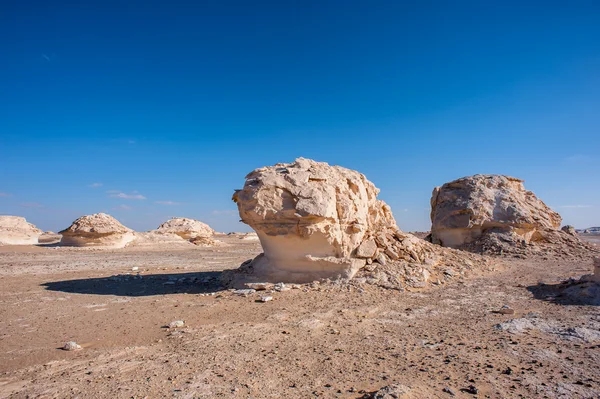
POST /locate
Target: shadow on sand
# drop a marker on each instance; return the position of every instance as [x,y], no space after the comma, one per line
[144,285]
[570,292]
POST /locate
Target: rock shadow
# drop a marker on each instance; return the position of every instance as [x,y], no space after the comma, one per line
[142,285]
[570,293]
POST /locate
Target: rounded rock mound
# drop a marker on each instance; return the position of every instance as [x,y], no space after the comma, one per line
[97,230]
[493,214]
[316,221]
[15,230]
[191,230]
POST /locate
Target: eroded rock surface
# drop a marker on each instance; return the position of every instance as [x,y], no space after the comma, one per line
[317,221]
[15,230]
[97,230]
[490,210]
[186,228]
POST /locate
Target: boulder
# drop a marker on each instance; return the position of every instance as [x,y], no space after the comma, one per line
[188,229]
[569,230]
[97,230]
[465,210]
[15,230]
[316,221]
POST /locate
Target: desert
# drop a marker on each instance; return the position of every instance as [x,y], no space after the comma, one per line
[162,317]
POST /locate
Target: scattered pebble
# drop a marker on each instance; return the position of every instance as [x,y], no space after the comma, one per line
[505,310]
[449,391]
[245,291]
[72,346]
[176,324]
[266,298]
[135,269]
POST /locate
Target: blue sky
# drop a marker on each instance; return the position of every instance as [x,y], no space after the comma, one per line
[153,109]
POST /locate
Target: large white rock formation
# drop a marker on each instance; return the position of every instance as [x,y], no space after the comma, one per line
[97,230]
[318,221]
[15,230]
[466,209]
[186,228]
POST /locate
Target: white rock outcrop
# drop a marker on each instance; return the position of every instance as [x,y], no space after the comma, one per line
[97,230]
[185,228]
[316,221]
[464,210]
[15,230]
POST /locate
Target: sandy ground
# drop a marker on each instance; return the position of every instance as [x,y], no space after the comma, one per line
[319,341]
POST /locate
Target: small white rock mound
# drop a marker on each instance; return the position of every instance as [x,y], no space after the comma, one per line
[316,221]
[15,230]
[186,228]
[464,210]
[97,230]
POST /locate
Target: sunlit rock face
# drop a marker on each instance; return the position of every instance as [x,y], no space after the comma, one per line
[313,220]
[15,230]
[186,228]
[97,230]
[466,209]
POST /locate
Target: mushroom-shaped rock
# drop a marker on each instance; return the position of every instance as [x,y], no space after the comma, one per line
[316,221]
[186,228]
[97,230]
[15,230]
[466,209]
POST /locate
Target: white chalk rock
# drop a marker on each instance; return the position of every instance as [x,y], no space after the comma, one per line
[15,230]
[97,230]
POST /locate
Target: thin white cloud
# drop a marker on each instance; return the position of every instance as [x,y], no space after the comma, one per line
[167,203]
[5,195]
[31,205]
[225,212]
[95,185]
[130,141]
[575,206]
[132,196]
[122,208]
[46,57]
[579,158]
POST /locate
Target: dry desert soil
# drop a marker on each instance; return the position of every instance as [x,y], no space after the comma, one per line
[320,340]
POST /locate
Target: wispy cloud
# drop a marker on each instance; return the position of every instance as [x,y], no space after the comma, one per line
[122,208]
[95,185]
[46,57]
[130,141]
[225,212]
[575,206]
[31,205]
[5,195]
[167,203]
[579,158]
[132,196]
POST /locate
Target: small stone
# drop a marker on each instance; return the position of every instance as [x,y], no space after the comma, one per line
[505,310]
[245,291]
[135,269]
[472,389]
[266,298]
[260,286]
[449,390]
[366,249]
[176,324]
[72,346]
[382,259]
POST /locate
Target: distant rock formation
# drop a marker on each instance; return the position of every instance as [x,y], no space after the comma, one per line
[15,230]
[494,214]
[465,209]
[97,230]
[191,230]
[317,221]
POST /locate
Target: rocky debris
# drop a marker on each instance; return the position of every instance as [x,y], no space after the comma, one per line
[534,322]
[317,221]
[395,391]
[49,237]
[266,298]
[260,286]
[569,230]
[15,230]
[495,214]
[249,237]
[596,276]
[449,391]
[97,230]
[185,228]
[472,389]
[72,346]
[176,324]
